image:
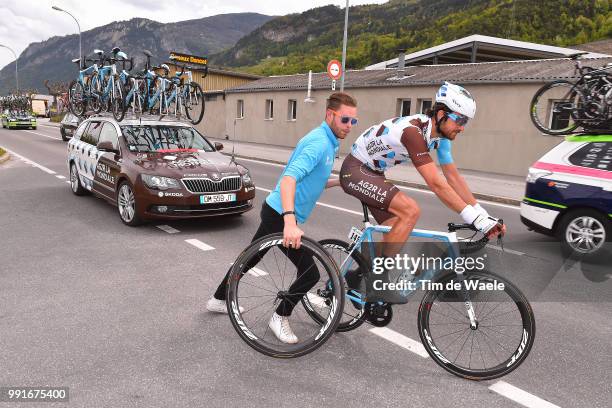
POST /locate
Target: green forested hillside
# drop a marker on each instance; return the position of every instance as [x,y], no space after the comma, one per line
[299,42]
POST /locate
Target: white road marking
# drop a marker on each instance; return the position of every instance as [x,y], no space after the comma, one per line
[401,340]
[199,244]
[262,162]
[522,397]
[316,300]
[60,177]
[40,134]
[168,229]
[510,251]
[68,181]
[28,161]
[257,272]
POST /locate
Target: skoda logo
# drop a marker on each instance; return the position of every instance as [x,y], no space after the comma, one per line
[215,176]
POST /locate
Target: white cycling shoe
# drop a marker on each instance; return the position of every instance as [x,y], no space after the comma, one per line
[218,306]
[281,329]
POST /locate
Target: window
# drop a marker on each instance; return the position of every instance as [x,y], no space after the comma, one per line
[140,138]
[403,106]
[559,115]
[109,134]
[92,134]
[292,109]
[425,105]
[269,109]
[239,109]
[596,155]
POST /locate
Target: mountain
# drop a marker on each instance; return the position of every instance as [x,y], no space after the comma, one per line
[51,59]
[299,42]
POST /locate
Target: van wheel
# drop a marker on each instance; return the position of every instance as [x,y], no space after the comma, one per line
[126,204]
[583,233]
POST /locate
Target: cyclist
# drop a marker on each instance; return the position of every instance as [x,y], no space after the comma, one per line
[303,180]
[400,139]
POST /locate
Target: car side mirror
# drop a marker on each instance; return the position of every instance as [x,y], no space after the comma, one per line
[106,146]
[218,146]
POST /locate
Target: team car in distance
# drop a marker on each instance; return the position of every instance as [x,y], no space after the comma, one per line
[70,122]
[569,195]
[153,169]
[16,120]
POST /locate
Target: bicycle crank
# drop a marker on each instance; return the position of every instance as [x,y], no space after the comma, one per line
[379,315]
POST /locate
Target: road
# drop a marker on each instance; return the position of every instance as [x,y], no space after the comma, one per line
[118,314]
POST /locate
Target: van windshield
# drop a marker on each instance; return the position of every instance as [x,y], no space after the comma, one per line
[162,138]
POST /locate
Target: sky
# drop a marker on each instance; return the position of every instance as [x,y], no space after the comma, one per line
[28,21]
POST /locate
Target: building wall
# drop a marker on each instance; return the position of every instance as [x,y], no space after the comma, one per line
[501,139]
[212,124]
[214,81]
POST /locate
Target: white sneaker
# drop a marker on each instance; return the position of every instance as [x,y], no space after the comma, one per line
[219,306]
[281,329]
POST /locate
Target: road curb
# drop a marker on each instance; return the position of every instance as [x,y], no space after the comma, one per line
[480,196]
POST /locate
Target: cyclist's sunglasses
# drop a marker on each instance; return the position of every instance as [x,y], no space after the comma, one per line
[345,119]
[459,118]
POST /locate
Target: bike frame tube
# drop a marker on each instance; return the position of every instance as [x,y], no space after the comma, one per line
[449,237]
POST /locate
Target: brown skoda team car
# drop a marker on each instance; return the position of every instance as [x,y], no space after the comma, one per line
[156,169]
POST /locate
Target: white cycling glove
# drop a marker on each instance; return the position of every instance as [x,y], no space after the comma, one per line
[481,210]
[483,223]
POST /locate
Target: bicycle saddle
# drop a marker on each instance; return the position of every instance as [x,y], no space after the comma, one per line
[99,52]
[147,53]
[116,50]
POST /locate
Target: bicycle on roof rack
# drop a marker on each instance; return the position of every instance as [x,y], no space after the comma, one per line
[103,87]
[560,107]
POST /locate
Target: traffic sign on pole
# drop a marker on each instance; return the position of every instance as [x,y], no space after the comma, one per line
[334,69]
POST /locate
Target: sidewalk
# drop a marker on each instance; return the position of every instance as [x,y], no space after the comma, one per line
[487,186]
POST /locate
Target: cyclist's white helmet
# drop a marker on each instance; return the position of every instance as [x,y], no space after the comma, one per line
[457,99]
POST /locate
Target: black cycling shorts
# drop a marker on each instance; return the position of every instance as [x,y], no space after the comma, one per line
[369,186]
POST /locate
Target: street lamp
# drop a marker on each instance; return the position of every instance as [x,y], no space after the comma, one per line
[344,46]
[16,73]
[79,26]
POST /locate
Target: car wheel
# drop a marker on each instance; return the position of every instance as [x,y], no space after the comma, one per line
[126,204]
[75,182]
[583,233]
[64,137]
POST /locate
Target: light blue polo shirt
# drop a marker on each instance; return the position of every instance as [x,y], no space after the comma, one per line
[310,165]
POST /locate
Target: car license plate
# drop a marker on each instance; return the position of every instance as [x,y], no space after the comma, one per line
[217,198]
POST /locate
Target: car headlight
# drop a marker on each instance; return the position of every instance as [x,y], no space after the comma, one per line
[535,174]
[246,178]
[159,182]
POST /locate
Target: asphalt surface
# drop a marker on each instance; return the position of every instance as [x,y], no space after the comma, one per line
[118,314]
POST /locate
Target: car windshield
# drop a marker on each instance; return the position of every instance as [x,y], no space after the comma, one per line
[161,138]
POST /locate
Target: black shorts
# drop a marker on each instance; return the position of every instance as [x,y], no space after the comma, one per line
[369,186]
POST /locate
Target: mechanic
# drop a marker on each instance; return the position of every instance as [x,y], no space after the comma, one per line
[300,185]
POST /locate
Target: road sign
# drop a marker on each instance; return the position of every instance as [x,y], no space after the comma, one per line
[334,69]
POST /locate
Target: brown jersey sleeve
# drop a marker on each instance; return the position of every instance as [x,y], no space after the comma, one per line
[413,141]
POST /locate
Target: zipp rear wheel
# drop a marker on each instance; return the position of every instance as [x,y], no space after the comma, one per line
[265,278]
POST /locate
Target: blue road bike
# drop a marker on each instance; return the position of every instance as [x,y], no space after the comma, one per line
[474,324]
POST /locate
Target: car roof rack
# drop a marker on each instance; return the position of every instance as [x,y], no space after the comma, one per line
[143,117]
